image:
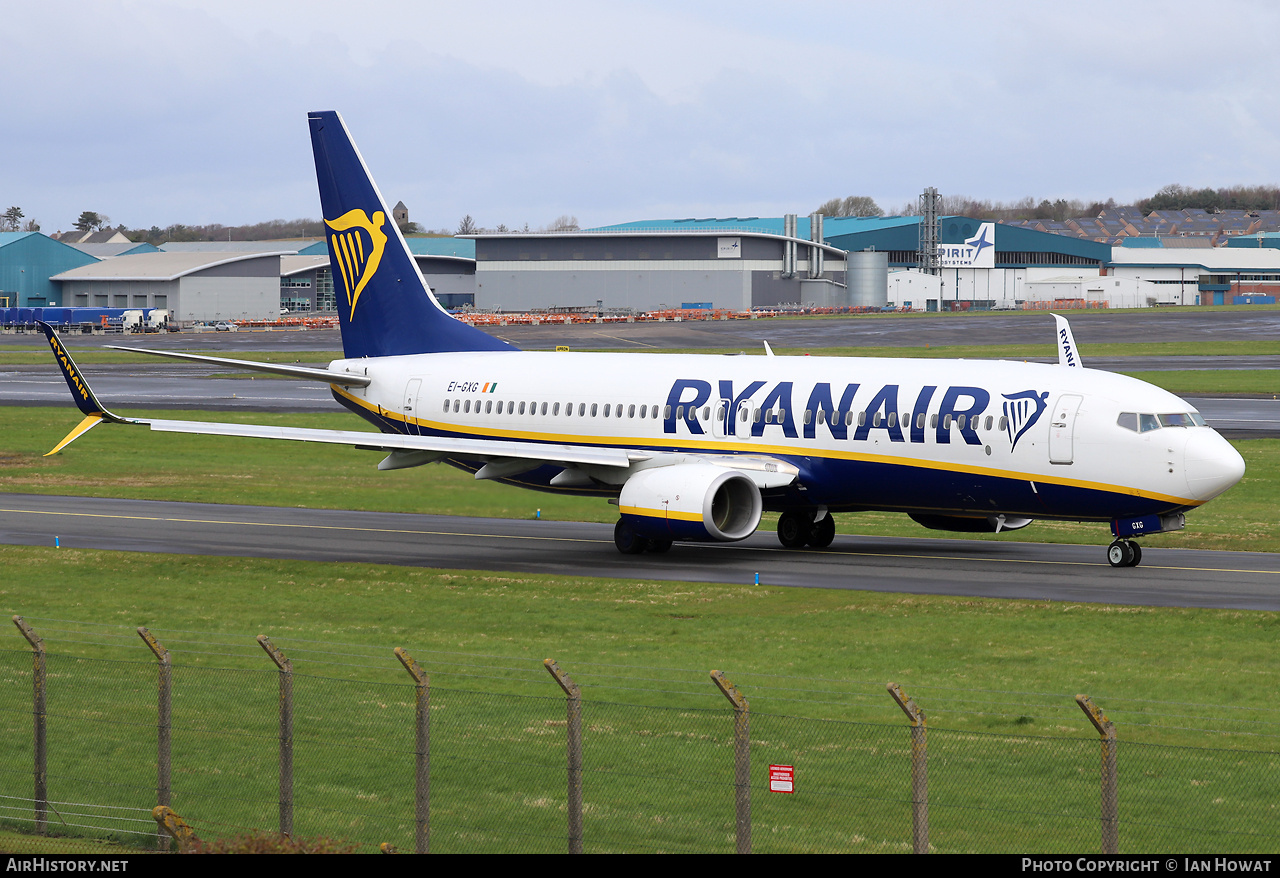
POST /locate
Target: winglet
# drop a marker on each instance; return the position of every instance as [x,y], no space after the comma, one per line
[94,412]
[1068,353]
[80,392]
[83,427]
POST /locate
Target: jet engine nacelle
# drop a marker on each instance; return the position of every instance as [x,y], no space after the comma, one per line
[691,501]
[990,524]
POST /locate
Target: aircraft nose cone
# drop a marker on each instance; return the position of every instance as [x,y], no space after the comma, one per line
[1212,465]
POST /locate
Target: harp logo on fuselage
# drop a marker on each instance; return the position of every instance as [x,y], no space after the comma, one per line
[357,242]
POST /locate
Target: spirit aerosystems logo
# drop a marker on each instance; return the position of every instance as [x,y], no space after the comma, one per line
[1023,410]
[976,252]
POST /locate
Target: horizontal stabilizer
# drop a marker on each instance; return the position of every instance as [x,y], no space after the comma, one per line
[344,379]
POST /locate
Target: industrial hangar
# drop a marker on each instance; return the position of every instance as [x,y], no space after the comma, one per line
[735,263]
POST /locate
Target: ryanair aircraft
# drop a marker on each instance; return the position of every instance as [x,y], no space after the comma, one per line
[697,447]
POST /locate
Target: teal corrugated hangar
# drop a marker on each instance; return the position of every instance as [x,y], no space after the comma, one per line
[27,261]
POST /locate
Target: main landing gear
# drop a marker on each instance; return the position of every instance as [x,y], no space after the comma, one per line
[798,529]
[1124,553]
[631,543]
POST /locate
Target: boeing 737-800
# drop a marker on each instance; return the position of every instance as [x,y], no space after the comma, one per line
[697,447]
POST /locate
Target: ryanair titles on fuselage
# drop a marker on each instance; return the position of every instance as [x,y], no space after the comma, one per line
[832,410]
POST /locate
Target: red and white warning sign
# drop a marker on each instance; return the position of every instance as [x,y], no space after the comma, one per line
[782,778]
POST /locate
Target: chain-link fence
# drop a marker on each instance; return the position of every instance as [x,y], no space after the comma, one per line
[245,749]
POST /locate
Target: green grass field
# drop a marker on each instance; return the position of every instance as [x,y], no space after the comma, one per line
[1013,760]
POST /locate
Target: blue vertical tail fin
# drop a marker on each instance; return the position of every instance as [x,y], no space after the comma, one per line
[385,308]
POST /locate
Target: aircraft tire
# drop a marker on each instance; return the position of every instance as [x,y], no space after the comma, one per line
[794,529]
[1137,554]
[659,547]
[627,540]
[823,532]
[1120,554]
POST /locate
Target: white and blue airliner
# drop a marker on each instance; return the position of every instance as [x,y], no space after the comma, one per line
[697,447]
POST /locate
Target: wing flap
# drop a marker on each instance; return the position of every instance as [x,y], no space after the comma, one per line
[452,446]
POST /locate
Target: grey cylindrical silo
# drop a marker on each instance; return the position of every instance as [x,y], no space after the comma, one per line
[869,278]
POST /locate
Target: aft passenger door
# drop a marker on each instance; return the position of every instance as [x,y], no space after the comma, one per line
[1062,428]
[411,407]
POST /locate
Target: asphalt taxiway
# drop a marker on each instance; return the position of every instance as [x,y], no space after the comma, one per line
[969,568]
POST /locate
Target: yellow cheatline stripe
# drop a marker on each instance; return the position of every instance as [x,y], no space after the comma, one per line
[661,513]
[437,533]
[81,428]
[757,447]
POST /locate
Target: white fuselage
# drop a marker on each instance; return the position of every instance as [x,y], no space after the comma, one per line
[956,436]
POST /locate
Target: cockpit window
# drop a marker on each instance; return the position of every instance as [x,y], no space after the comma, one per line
[1145,423]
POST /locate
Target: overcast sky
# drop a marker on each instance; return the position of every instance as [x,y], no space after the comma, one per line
[181,111]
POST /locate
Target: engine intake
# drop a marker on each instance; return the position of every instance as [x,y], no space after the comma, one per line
[691,501]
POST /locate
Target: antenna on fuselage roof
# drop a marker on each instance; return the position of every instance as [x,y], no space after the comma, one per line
[768,351]
[1068,353]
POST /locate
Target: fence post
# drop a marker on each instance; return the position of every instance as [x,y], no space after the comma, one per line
[164,723]
[40,717]
[573,750]
[741,759]
[286,733]
[1110,782]
[919,770]
[421,752]
[175,827]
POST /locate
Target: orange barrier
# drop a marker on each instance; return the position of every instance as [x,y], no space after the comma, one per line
[1064,305]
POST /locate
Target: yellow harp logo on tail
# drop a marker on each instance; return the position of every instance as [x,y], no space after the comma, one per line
[357,242]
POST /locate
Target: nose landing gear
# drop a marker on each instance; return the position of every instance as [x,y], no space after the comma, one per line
[1124,553]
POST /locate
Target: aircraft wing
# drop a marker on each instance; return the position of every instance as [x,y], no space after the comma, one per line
[428,446]
[445,446]
[502,457]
